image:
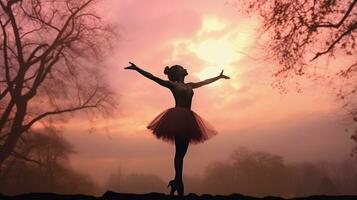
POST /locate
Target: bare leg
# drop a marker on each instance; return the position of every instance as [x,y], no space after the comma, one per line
[181,149]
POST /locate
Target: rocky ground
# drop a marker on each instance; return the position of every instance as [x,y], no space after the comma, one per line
[154,196]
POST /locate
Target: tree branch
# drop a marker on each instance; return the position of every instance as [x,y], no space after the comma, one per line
[85,105]
[29,61]
[61,31]
[10,14]
[338,24]
[57,112]
[5,54]
[42,72]
[25,158]
[352,28]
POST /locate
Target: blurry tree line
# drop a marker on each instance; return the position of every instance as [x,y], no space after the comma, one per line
[41,164]
[254,173]
[45,168]
[259,173]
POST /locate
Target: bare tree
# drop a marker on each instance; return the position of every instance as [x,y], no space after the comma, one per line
[50,55]
[303,31]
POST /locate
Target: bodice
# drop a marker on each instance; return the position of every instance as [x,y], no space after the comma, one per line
[183,94]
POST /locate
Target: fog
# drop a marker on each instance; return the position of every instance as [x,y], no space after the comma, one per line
[245,171]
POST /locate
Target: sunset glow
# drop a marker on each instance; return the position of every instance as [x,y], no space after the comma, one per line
[205,38]
[109,99]
[218,47]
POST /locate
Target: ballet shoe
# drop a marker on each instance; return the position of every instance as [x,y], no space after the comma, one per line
[173,185]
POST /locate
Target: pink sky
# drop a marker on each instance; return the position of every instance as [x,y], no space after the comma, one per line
[205,37]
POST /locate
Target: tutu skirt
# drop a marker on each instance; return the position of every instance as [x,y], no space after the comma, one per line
[179,122]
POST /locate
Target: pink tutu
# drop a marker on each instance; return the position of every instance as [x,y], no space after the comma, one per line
[183,123]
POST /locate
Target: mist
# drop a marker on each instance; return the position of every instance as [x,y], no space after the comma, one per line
[254,173]
[245,171]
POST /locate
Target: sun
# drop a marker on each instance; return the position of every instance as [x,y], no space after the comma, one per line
[218,45]
[215,51]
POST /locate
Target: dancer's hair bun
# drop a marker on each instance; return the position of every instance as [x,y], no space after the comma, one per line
[167,69]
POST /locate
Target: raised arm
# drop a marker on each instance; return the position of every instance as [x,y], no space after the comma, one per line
[148,75]
[208,81]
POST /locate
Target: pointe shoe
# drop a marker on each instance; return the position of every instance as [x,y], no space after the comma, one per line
[173,185]
[180,189]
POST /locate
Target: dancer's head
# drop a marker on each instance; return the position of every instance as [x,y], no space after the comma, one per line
[175,73]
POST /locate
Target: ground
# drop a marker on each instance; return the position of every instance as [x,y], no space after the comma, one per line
[155,196]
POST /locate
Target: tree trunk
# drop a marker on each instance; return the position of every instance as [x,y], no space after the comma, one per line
[15,133]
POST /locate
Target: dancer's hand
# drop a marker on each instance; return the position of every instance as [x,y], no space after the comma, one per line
[132,66]
[221,75]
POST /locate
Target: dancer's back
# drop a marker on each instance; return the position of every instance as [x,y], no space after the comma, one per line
[183,94]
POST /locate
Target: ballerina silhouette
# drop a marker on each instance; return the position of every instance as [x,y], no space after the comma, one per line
[179,125]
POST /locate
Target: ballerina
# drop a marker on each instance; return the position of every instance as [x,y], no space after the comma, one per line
[179,125]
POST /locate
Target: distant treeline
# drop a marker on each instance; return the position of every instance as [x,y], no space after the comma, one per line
[40,163]
[45,169]
[254,173]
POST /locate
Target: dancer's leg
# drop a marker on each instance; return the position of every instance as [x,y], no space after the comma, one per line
[181,149]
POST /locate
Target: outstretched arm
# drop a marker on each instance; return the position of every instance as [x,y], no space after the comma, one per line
[208,81]
[148,75]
